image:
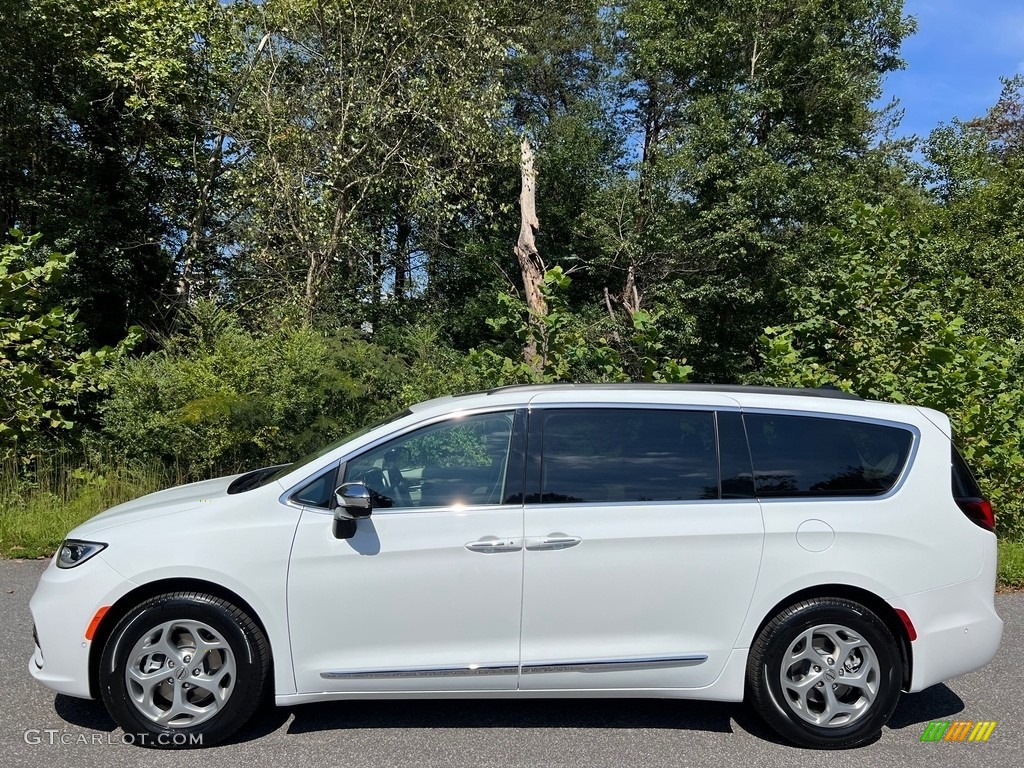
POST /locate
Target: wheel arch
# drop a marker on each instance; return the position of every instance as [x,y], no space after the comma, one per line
[151,589]
[868,599]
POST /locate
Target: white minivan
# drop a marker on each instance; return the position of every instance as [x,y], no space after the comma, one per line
[813,551]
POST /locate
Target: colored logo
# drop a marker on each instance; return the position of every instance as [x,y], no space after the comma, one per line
[958,730]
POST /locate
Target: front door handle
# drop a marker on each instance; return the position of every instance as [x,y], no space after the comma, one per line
[554,541]
[492,544]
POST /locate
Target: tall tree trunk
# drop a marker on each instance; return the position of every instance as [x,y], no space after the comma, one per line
[530,263]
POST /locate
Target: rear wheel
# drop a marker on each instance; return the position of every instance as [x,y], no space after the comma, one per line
[183,670]
[825,672]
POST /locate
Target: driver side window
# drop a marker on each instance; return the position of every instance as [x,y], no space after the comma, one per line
[461,461]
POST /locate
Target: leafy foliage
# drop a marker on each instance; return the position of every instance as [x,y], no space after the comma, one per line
[876,327]
[571,349]
[46,377]
[219,398]
[311,206]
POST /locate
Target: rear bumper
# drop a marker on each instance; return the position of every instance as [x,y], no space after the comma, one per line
[958,629]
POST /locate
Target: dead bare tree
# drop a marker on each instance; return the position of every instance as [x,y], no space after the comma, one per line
[531,265]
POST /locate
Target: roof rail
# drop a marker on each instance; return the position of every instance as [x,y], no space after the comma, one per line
[825,391]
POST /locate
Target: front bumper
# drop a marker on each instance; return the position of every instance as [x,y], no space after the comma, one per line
[64,603]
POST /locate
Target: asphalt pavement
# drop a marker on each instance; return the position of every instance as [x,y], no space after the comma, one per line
[40,728]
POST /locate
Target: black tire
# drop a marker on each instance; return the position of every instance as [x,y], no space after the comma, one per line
[804,711]
[199,668]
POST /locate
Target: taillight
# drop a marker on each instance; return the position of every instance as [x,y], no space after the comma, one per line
[968,495]
[979,511]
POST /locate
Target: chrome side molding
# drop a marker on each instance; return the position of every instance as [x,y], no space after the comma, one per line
[589,665]
[458,671]
[614,665]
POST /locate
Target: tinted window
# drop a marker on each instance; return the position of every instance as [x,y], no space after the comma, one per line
[320,492]
[605,454]
[460,461]
[964,484]
[811,456]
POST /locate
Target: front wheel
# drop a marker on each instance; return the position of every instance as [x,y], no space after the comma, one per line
[184,669]
[826,673]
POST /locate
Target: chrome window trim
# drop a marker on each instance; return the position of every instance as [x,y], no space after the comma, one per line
[286,497]
[511,408]
[635,406]
[423,510]
[549,505]
[614,665]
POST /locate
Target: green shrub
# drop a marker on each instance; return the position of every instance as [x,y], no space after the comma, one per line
[1011,564]
[570,346]
[218,399]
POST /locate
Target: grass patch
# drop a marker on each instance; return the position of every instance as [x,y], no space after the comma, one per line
[1011,564]
[40,503]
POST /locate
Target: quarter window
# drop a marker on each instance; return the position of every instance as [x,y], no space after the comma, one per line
[607,454]
[796,456]
[320,492]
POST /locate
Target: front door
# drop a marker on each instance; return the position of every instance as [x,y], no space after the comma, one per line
[427,595]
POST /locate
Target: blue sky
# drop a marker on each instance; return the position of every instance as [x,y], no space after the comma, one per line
[955,60]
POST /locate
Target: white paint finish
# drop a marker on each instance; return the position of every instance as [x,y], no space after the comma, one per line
[240,542]
[957,625]
[639,397]
[404,593]
[646,580]
[62,606]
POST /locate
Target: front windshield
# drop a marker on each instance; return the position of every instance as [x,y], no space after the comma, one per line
[328,448]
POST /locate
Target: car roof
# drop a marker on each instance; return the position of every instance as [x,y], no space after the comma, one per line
[709,388]
[826,400]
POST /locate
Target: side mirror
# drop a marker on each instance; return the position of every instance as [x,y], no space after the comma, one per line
[353,502]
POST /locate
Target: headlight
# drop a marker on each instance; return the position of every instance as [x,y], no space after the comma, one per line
[75,552]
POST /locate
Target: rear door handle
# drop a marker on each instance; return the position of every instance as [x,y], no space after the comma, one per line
[493,545]
[554,541]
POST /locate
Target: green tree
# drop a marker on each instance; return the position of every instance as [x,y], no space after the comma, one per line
[753,122]
[572,346]
[108,144]
[973,173]
[365,127]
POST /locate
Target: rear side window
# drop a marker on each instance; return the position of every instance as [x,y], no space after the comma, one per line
[806,456]
[606,454]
